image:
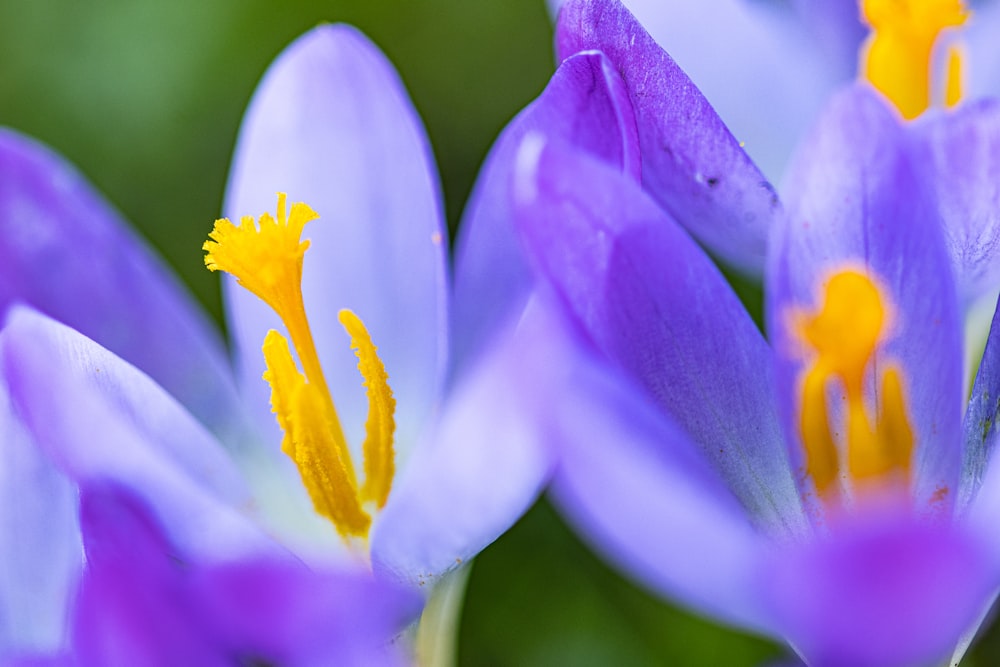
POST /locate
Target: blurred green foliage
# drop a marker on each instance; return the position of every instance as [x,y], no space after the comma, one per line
[146,96]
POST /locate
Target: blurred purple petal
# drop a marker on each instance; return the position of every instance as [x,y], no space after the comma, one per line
[691,164]
[650,300]
[884,592]
[332,126]
[39,540]
[481,467]
[64,251]
[585,104]
[79,403]
[143,601]
[854,201]
[959,153]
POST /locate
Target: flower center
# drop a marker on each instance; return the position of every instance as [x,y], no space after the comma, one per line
[844,334]
[897,59]
[266,259]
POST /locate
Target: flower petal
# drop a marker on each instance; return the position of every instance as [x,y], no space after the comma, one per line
[97,417]
[145,602]
[692,164]
[331,125]
[766,70]
[480,468]
[40,551]
[886,592]
[65,252]
[981,417]
[585,104]
[960,156]
[640,492]
[854,201]
[650,300]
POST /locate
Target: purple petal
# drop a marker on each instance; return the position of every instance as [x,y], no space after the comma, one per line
[960,156]
[983,59]
[295,616]
[131,603]
[40,551]
[585,104]
[65,252]
[480,468]
[767,68]
[691,164]
[331,125]
[854,202]
[981,417]
[837,29]
[790,58]
[146,602]
[884,592]
[650,300]
[97,417]
[640,492]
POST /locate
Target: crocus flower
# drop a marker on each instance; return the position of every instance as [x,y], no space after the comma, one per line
[332,125]
[791,57]
[820,487]
[683,171]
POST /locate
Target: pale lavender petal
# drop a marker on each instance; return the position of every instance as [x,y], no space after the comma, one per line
[838,31]
[884,592]
[959,155]
[854,202]
[481,466]
[585,104]
[77,401]
[650,300]
[40,551]
[641,493]
[66,252]
[331,125]
[983,61]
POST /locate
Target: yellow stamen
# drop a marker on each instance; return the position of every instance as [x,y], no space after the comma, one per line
[323,462]
[380,425]
[897,58]
[268,262]
[845,335]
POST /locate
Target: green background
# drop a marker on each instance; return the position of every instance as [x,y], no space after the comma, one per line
[146,98]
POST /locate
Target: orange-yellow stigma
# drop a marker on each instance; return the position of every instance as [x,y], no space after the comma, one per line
[267,261]
[843,336]
[897,59]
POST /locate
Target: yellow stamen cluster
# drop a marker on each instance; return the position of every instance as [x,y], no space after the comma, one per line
[844,335]
[897,58]
[267,260]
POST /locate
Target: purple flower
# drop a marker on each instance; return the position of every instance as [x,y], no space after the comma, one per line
[139,390]
[819,486]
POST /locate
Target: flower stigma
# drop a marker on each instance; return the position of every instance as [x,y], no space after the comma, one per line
[843,336]
[897,58]
[266,258]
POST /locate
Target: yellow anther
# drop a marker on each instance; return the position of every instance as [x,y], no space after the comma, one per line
[268,262]
[897,57]
[844,335]
[381,423]
[312,441]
